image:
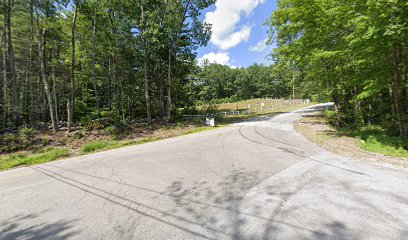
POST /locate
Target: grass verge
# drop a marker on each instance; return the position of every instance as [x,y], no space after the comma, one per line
[51,154]
[371,143]
[279,110]
[100,145]
[203,129]
[27,159]
[377,139]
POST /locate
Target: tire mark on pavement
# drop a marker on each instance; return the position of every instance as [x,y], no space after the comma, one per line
[256,131]
[85,187]
[229,158]
[298,154]
[157,192]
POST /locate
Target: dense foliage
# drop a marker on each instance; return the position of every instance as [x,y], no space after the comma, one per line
[78,60]
[225,84]
[75,61]
[354,52]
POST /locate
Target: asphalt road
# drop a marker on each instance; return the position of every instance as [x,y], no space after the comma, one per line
[253,180]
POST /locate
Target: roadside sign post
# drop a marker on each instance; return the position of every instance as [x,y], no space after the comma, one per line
[210,121]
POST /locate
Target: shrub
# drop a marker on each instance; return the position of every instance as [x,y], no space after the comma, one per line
[10,139]
[95,146]
[391,146]
[377,139]
[181,125]
[100,145]
[64,140]
[26,133]
[211,108]
[331,117]
[45,141]
[111,130]
[120,127]
[79,134]
[192,110]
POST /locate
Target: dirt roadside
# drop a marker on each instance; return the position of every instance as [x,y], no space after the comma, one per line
[316,129]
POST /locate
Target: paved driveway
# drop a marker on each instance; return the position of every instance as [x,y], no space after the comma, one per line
[253,180]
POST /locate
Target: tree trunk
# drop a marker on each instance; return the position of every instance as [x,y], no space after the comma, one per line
[391,95]
[68,109]
[176,48]
[28,84]
[54,91]
[109,85]
[400,91]
[161,74]
[72,96]
[293,88]
[145,67]
[94,59]
[6,107]
[2,82]
[169,103]
[161,91]
[146,86]
[358,115]
[11,64]
[41,50]
[122,109]
[336,108]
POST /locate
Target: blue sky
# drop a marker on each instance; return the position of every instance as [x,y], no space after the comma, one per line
[238,35]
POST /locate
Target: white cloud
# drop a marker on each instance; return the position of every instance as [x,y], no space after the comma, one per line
[219,58]
[225,18]
[259,47]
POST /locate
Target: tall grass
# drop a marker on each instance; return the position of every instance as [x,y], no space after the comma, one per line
[377,139]
[373,138]
[100,145]
[37,158]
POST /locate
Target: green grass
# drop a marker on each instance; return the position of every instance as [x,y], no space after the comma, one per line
[270,105]
[31,159]
[271,112]
[377,139]
[100,145]
[255,103]
[51,154]
[97,146]
[201,129]
[147,140]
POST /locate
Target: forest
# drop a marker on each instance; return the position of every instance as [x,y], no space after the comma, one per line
[75,61]
[354,51]
[69,62]
[80,60]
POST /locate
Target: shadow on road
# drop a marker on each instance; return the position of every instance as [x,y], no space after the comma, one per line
[244,217]
[16,228]
[221,211]
[238,205]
